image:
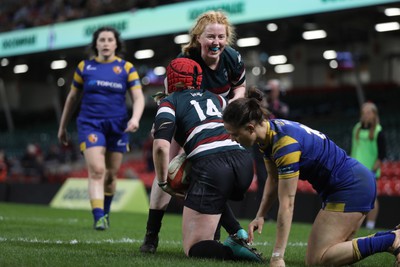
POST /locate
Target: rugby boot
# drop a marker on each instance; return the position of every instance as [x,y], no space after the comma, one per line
[241,250]
[101,224]
[150,243]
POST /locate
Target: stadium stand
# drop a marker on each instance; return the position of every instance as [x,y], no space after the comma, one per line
[24,14]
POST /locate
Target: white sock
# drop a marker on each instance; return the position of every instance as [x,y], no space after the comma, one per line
[370,225]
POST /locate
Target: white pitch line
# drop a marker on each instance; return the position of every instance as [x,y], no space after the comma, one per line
[43,219]
[119,241]
[75,241]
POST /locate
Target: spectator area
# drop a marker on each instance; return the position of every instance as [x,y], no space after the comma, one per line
[332,111]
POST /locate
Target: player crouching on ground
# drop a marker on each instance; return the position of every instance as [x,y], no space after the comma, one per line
[220,167]
[293,151]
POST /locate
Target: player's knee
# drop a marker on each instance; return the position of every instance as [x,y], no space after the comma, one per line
[312,259]
[311,262]
[318,260]
[97,172]
[110,177]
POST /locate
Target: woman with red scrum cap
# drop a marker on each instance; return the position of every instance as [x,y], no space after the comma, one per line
[224,74]
[220,167]
[183,73]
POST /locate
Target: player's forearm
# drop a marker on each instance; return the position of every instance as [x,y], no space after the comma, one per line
[269,197]
[161,159]
[238,92]
[377,165]
[138,106]
[69,107]
[283,225]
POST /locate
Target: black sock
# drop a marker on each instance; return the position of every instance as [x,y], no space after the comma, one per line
[154,221]
[228,221]
[212,250]
[217,234]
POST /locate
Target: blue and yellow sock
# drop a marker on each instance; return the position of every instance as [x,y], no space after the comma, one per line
[380,242]
[107,202]
[383,233]
[97,208]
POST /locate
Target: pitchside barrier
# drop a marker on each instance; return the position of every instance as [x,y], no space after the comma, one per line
[130,196]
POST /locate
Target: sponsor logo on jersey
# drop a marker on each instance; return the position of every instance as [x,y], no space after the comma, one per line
[92,138]
[225,74]
[117,69]
[101,83]
[196,94]
[90,67]
[164,124]
[121,143]
[285,170]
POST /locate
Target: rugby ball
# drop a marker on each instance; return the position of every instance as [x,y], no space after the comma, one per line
[178,171]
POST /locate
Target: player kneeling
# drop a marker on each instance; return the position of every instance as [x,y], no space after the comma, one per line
[219,168]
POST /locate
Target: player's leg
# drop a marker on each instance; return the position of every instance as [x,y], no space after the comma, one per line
[95,162]
[343,213]
[116,145]
[200,219]
[329,241]
[241,176]
[159,201]
[197,227]
[158,204]
[113,163]
[231,224]
[372,215]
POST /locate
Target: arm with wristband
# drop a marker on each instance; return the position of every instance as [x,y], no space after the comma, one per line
[161,155]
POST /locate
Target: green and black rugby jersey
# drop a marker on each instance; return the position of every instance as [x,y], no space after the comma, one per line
[230,72]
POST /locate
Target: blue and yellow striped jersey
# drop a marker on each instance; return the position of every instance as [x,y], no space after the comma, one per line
[197,115]
[298,150]
[104,86]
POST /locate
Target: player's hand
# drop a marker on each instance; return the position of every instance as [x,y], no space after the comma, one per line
[167,189]
[159,96]
[277,262]
[133,126]
[63,137]
[256,224]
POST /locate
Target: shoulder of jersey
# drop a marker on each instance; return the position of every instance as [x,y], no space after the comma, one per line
[230,51]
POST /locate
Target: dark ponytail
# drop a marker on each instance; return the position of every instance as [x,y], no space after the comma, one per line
[256,93]
[244,110]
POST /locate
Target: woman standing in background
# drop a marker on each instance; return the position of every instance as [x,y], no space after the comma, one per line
[369,147]
[103,124]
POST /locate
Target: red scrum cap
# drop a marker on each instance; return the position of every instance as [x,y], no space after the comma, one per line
[183,73]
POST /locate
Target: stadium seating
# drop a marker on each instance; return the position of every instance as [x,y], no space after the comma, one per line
[389,183]
[333,111]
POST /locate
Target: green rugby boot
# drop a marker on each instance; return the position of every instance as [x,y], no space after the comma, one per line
[241,250]
[101,224]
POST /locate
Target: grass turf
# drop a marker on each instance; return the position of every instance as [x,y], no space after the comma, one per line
[34,235]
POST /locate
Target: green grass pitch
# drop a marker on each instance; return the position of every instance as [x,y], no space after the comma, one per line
[35,235]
